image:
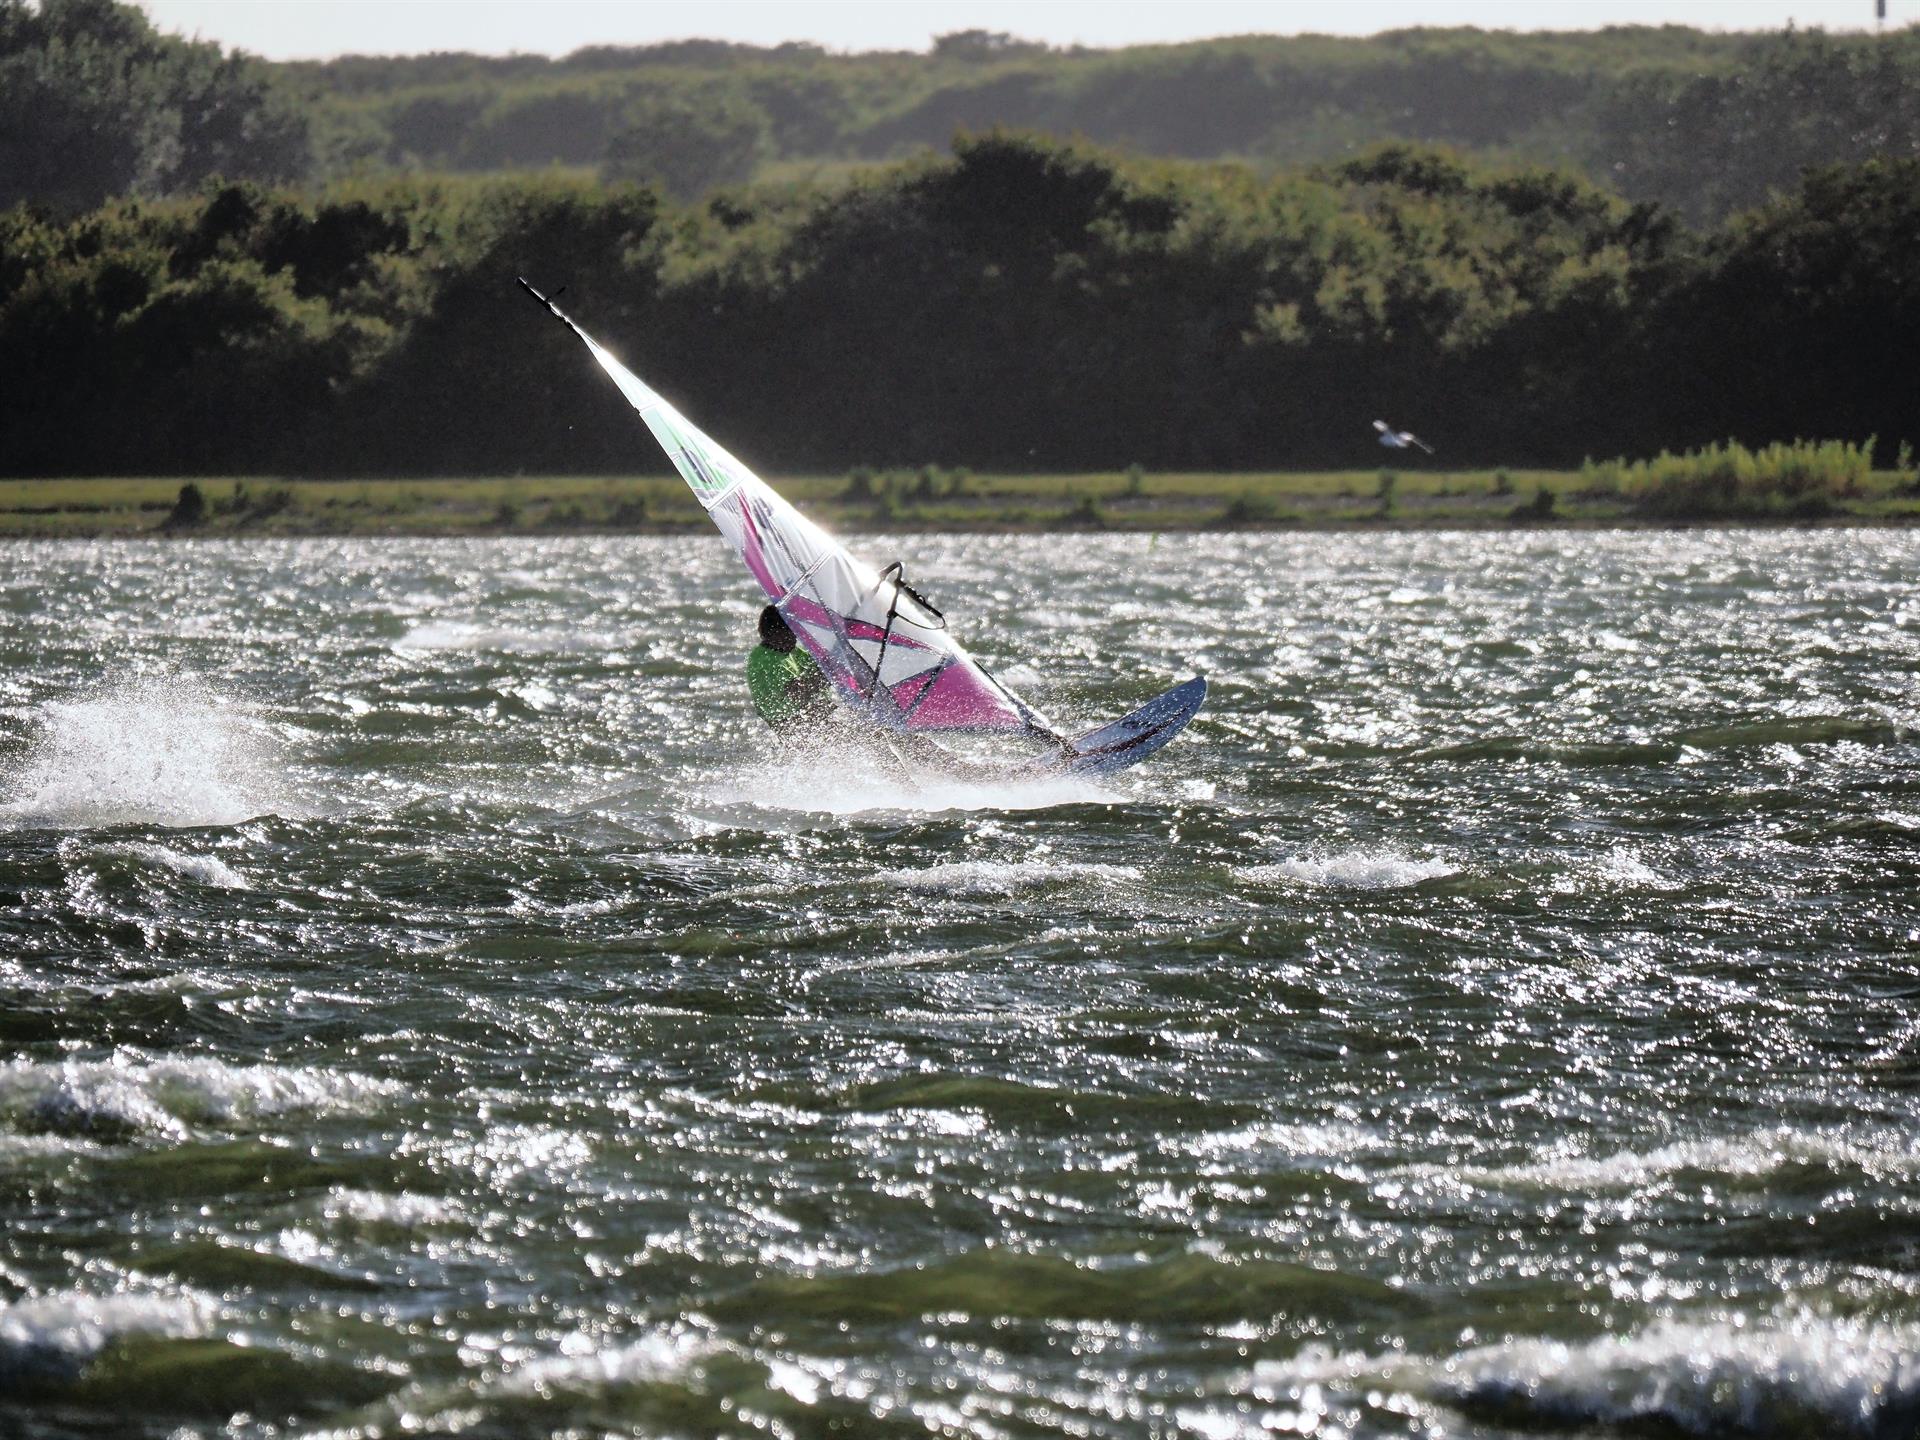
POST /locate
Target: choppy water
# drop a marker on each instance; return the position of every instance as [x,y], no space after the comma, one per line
[423,1009]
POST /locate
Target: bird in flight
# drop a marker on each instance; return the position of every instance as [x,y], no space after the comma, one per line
[1400,439]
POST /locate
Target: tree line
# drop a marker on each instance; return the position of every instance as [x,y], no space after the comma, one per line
[95,103]
[1019,303]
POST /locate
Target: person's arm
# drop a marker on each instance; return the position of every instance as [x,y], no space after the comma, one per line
[806,692]
[807,688]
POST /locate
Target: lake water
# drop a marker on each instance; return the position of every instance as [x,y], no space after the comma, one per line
[427,1006]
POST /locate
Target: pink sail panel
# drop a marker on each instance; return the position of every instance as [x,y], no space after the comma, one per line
[961,698]
[940,691]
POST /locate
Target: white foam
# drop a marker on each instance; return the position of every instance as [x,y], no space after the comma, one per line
[1754,1155]
[1759,1153]
[1264,1142]
[152,753]
[848,777]
[374,1207]
[586,1366]
[1714,1377]
[1621,868]
[63,1330]
[1353,870]
[204,869]
[1002,877]
[128,1096]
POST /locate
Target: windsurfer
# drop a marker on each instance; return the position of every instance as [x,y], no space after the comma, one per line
[787,687]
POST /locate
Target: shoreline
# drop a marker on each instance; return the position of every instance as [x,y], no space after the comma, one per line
[929,501]
[160,535]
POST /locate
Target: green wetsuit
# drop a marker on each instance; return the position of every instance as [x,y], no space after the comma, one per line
[785,685]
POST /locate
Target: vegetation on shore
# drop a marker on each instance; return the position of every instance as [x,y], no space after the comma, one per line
[1021,305]
[95,102]
[1018,306]
[1669,490]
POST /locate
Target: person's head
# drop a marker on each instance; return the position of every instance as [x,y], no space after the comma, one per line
[774,632]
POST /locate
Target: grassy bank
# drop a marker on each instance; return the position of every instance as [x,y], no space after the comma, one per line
[926,500]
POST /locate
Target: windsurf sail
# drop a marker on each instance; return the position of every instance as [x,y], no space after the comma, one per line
[885,648]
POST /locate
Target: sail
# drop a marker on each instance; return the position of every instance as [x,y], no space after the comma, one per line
[888,654]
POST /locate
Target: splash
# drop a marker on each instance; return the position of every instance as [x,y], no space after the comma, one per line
[845,775]
[1354,870]
[168,753]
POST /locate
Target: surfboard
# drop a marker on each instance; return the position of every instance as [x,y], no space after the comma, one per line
[1130,739]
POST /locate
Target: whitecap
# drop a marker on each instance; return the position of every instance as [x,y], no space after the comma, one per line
[62,1331]
[1769,1376]
[1755,1154]
[127,1096]
[1353,870]
[1268,1142]
[1003,877]
[461,635]
[205,869]
[585,1365]
[404,1209]
[1617,869]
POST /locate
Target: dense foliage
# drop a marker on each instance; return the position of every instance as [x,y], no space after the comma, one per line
[1703,123]
[94,103]
[1020,303]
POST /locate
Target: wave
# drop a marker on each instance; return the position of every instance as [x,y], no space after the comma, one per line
[127,1097]
[852,778]
[1764,1379]
[128,1362]
[1753,1156]
[202,869]
[459,635]
[676,1380]
[1266,1142]
[55,1335]
[382,1210]
[1003,877]
[1353,870]
[1644,749]
[225,1268]
[1013,1102]
[999,1284]
[1622,869]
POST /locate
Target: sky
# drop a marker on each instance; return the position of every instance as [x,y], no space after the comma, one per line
[313,29]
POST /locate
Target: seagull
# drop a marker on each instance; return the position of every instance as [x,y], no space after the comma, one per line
[1399,439]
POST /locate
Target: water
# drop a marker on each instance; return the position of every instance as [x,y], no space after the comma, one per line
[425,1007]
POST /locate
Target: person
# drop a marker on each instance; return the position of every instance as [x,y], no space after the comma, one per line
[792,693]
[787,687]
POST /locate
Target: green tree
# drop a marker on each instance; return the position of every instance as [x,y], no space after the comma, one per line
[95,103]
[687,144]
